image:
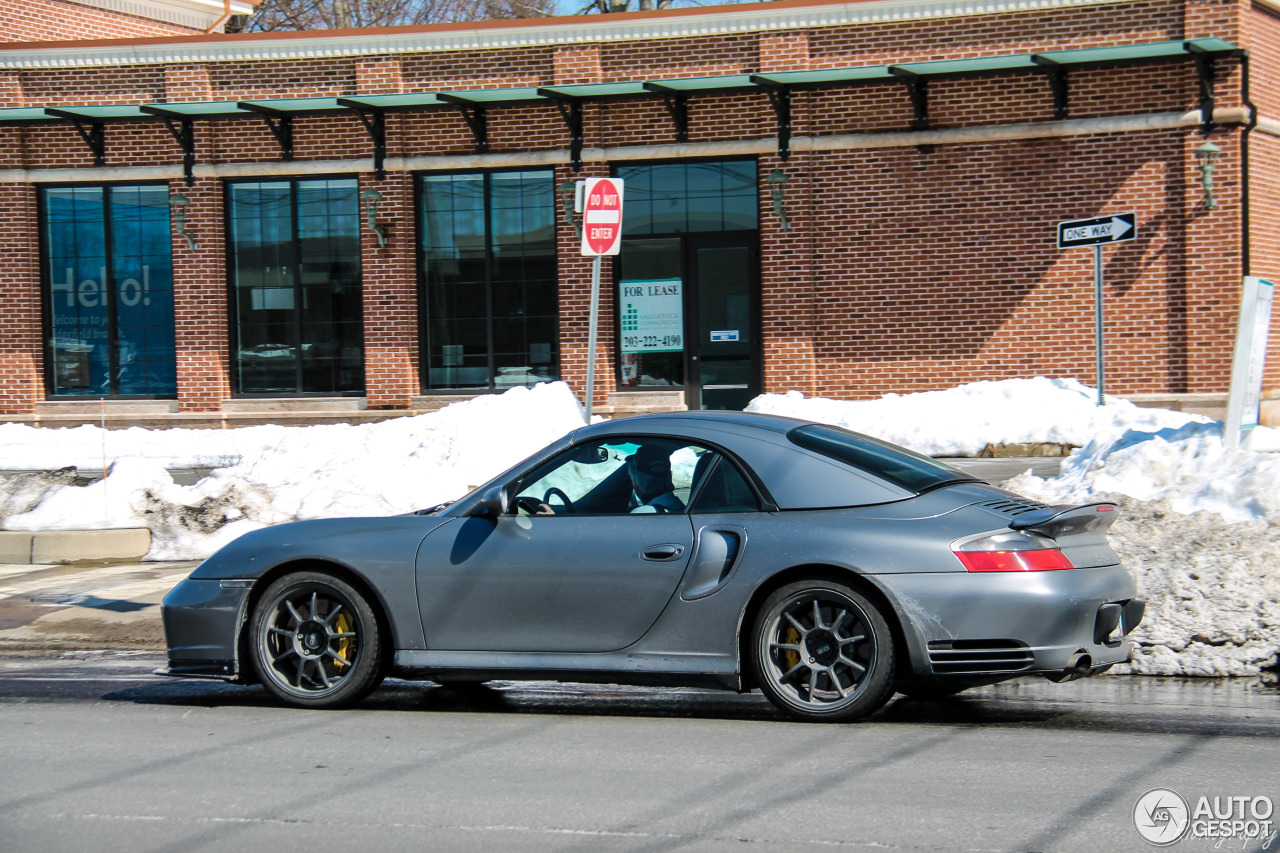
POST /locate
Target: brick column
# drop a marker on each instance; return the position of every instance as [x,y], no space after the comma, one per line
[787,278]
[21,352]
[201,326]
[379,75]
[390,296]
[783,52]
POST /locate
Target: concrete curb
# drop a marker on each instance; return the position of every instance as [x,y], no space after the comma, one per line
[72,546]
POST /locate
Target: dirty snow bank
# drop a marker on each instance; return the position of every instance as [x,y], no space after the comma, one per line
[273,474]
[962,421]
[1212,590]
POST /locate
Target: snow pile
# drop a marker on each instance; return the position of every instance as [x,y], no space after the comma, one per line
[1212,590]
[962,421]
[273,474]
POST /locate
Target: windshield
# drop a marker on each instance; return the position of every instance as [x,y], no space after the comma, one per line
[904,468]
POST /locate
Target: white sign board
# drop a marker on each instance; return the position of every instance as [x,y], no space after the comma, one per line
[1245,397]
[651,315]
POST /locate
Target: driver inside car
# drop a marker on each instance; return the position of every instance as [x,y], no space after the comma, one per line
[651,488]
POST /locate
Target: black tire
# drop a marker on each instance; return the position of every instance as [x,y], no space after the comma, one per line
[823,652]
[315,641]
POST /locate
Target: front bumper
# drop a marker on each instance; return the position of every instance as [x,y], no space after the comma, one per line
[202,624]
[984,625]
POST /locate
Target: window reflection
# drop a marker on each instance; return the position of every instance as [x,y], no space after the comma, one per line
[490,299]
[297,275]
[109,286]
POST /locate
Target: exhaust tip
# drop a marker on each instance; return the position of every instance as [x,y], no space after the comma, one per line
[1079,665]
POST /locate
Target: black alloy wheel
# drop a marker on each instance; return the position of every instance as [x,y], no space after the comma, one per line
[316,641]
[823,652]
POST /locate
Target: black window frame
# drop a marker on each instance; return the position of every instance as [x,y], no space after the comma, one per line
[424,367]
[233,323]
[46,305]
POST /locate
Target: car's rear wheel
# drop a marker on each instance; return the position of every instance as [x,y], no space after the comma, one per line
[823,652]
[316,641]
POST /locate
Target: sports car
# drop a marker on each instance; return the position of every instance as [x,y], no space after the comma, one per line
[737,551]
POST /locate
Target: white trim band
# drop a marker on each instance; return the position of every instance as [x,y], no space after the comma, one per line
[550,157]
[595,29]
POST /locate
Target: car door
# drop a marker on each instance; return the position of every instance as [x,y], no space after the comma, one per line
[591,578]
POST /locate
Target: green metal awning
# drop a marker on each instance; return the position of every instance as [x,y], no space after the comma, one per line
[198,111]
[723,85]
[595,92]
[979,67]
[393,103]
[826,78]
[97,115]
[294,107]
[517,97]
[1132,54]
[17,116]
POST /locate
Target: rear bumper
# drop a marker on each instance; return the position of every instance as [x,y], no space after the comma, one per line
[970,625]
[202,623]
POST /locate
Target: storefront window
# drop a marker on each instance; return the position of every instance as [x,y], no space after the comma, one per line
[108,275]
[673,213]
[296,273]
[490,302]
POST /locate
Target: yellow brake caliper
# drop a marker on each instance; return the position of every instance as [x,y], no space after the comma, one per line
[344,626]
[791,638]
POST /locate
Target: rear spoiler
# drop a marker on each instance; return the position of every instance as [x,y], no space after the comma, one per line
[1080,531]
[1067,520]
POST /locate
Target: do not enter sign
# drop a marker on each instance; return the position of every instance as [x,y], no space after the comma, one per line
[601,216]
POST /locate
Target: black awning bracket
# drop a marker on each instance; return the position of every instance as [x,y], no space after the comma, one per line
[1058,83]
[918,91]
[1205,77]
[282,129]
[477,119]
[572,115]
[780,100]
[95,136]
[375,124]
[184,133]
[678,108]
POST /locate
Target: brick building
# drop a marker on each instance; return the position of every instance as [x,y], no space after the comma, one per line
[844,198]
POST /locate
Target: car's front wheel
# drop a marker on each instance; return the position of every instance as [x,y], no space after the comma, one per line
[316,641]
[823,652]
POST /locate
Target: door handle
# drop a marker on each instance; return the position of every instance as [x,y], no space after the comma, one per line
[662,553]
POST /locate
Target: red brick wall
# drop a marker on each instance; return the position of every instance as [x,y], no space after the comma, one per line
[21,353]
[905,268]
[55,20]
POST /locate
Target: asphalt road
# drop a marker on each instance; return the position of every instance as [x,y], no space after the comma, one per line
[100,755]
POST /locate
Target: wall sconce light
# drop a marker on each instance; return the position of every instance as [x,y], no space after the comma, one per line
[567,192]
[178,207]
[371,197]
[1207,156]
[777,180]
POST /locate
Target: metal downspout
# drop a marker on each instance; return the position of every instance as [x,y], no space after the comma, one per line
[1244,163]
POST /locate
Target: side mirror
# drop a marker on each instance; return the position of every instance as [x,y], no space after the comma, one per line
[492,503]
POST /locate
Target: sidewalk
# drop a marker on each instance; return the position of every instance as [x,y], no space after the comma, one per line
[85,605]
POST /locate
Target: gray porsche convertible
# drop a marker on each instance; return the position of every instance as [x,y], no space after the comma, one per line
[708,549]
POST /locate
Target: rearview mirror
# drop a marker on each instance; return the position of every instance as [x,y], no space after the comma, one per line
[591,454]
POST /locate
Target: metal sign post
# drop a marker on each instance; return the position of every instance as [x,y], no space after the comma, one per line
[1097,232]
[600,202]
[1244,398]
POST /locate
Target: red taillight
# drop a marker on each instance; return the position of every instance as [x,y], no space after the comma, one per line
[1046,560]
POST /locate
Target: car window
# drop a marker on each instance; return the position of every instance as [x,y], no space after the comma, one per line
[640,475]
[904,468]
[723,488]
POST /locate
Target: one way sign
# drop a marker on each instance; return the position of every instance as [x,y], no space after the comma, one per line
[1103,229]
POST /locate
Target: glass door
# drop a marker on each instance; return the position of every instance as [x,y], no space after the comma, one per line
[724,351]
